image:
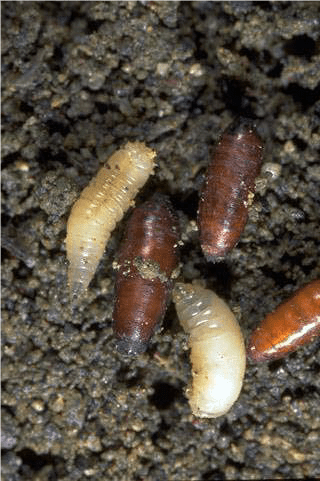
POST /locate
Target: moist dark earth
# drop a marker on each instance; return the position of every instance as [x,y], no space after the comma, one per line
[80,79]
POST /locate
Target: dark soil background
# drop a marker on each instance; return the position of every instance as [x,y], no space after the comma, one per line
[79,80]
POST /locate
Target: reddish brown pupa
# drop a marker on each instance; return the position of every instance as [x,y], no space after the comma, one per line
[229,189]
[294,323]
[146,262]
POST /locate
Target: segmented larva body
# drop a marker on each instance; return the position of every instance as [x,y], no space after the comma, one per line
[293,323]
[146,262]
[229,189]
[100,206]
[217,350]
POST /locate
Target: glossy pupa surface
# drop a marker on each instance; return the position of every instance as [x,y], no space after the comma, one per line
[229,189]
[100,206]
[293,323]
[217,350]
[147,260]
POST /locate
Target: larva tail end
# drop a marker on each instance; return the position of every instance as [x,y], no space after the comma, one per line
[130,347]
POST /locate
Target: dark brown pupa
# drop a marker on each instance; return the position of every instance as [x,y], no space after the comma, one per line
[146,263]
[229,189]
[293,323]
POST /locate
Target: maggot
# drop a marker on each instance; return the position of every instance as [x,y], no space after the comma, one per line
[147,261]
[217,350]
[293,323]
[229,189]
[100,206]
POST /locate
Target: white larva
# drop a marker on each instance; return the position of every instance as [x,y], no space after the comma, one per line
[218,354]
[100,206]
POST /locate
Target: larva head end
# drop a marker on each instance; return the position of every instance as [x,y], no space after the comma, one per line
[180,291]
[76,292]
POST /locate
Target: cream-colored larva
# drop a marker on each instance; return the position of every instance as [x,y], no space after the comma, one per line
[100,206]
[217,350]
